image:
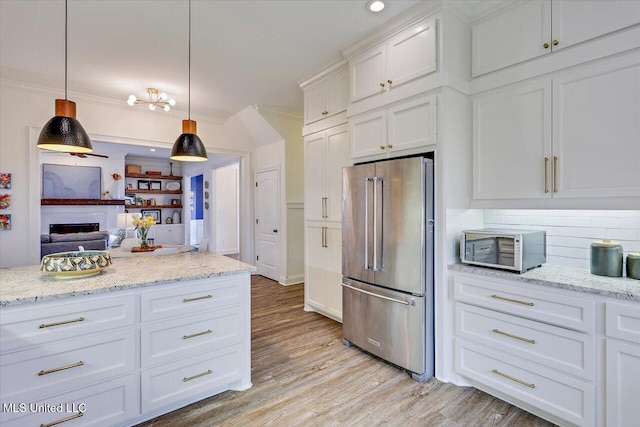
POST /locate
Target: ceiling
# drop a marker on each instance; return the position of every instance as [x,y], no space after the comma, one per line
[244,52]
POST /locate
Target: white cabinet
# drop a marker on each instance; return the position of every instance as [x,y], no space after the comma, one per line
[525,30]
[401,126]
[533,348]
[323,265]
[326,98]
[326,153]
[402,58]
[169,234]
[528,143]
[622,364]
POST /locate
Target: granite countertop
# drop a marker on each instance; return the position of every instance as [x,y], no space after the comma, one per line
[24,285]
[573,279]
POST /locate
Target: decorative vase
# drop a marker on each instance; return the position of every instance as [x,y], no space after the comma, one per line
[143,238]
[116,193]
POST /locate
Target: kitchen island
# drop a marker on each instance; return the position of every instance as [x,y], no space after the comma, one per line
[146,336]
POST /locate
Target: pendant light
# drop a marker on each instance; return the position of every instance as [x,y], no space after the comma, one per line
[63,132]
[189,147]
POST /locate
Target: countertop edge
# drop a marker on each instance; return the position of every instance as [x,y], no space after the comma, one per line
[567,278]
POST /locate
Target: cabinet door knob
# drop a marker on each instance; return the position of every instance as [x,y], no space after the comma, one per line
[275,231]
[381,84]
[389,81]
[389,145]
[382,147]
[555,42]
[546,45]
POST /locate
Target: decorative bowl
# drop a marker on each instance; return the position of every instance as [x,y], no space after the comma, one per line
[70,265]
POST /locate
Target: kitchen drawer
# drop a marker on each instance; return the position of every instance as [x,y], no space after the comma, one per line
[520,300]
[179,338]
[623,321]
[201,295]
[567,351]
[32,325]
[107,404]
[35,372]
[193,378]
[531,386]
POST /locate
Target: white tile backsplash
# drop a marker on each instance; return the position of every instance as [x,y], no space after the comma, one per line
[571,232]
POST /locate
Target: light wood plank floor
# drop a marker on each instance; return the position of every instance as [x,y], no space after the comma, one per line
[303,375]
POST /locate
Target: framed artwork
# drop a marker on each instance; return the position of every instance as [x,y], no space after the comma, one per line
[5,201]
[5,222]
[153,213]
[5,181]
[71,182]
[144,185]
[155,185]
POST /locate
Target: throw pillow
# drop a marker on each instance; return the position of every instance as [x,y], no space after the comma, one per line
[116,236]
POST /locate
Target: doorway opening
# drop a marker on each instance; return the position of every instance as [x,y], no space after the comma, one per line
[196,211]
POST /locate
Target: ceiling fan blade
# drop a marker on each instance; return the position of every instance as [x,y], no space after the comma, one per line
[84,155]
[81,155]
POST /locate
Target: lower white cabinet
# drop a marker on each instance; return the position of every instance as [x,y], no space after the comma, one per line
[530,347]
[323,265]
[107,361]
[622,365]
[169,234]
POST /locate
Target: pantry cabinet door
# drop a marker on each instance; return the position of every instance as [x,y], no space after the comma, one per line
[412,53]
[578,21]
[368,133]
[368,72]
[334,272]
[513,35]
[596,130]
[338,156]
[314,103]
[511,140]
[315,165]
[316,271]
[412,124]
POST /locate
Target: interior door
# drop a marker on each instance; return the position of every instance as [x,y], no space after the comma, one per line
[267,223]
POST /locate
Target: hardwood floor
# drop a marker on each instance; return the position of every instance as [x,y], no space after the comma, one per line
[303,375]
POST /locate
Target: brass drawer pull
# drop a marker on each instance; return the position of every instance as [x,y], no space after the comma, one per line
[555,174]
[546,173]
[64,322]
[61,368]
[512,300]
[506,334]
[186,337]
[197,298]
[509,377]
[64,420]
[209,371]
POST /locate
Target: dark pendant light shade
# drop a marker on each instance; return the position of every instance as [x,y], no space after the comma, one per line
[188,147]
[63,132]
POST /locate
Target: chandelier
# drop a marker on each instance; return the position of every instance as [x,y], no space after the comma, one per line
[156,99]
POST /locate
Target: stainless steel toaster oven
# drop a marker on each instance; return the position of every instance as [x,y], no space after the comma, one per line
[516,250]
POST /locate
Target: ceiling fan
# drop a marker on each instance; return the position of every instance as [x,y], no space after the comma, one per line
[84,155]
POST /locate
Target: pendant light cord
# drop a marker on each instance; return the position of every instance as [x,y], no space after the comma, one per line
[66,48]
[189,59]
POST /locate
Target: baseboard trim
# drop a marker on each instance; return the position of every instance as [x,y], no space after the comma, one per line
[291,280]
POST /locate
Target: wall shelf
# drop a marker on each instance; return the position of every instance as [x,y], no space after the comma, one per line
[81,202]
[136,191]
[152,177]
[153,207]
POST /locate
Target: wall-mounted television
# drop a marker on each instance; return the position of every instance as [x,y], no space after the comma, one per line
[71,182]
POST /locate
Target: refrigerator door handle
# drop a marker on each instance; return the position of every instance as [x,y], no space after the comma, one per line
[399,301]
[366,222]
[377,215]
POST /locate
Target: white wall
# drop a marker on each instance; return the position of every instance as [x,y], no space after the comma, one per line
[226,208]
[23,112]
[571,232]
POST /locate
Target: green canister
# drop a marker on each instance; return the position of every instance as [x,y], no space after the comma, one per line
[606,258]
[633,266]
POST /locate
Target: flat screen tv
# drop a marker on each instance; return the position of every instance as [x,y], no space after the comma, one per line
[71,182]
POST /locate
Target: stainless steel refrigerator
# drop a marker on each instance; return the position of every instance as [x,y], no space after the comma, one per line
[387,262]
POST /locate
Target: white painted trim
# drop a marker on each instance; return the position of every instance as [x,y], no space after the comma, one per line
[291,280]
[328,71]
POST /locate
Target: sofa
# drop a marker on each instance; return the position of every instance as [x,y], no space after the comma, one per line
[67,242]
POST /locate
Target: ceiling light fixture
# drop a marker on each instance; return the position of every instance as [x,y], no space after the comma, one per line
[374,6]
[189,147]
[156,99]
[63,132]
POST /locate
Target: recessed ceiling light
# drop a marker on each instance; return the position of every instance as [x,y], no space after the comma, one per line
[374,5]
[152,149]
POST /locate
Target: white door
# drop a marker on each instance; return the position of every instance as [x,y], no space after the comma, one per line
[314,197]
[267,223]
[315,275]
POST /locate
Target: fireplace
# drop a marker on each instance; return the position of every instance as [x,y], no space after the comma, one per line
[74,228]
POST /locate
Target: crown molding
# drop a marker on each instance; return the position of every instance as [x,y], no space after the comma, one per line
[326,72]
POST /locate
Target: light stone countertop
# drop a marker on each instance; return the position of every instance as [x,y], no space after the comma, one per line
[25,285]
[573,279]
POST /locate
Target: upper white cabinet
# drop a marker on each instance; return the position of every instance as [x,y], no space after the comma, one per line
[401,126]
[326,153]
[525,30]
[402,58]
[573,135]
[326,98]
